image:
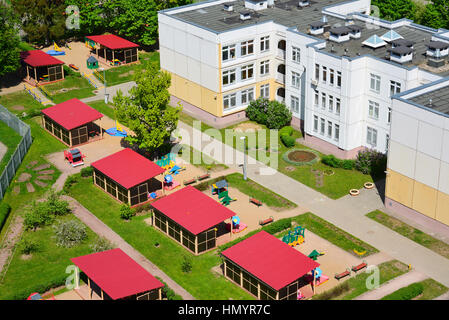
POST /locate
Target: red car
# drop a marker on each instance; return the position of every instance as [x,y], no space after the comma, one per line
[74,157]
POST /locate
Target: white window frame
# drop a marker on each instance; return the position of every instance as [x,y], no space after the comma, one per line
[373,110]
[337,106]
[371,136]
[246,96]
[294,104]
[395,88]
[389,115]
[228,49]
[324,74]
[315,123]
[227,74]
[317,99]
[317,72]
[264,43]
[323,101]
[245,70]
[331,77]
[322,126]
[331,103]
[296,54]
[336,132]
[329,129]
[264,67]
[230,98]
[375,83]
[296,79]
[338,79]
[265,91]
[246,48]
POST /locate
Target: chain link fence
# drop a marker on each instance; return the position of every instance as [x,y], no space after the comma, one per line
[13,164]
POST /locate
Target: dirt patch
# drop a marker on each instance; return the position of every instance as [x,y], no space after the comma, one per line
[290,168]
[18,108]
[301,156]
[26,256]
[24,177]
[247,126]
[125,74]
[14,232]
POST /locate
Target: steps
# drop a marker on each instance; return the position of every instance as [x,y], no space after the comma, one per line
[93,81]
[38,94]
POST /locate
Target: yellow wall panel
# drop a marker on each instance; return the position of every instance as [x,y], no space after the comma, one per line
[442,213]
[399,188]
[424,199]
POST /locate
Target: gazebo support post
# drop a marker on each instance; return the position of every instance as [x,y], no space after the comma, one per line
[196,244]
[35,74]
[160,293]
[314,281]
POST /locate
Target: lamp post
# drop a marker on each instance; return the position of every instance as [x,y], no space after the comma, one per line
[244,157]
[106,97]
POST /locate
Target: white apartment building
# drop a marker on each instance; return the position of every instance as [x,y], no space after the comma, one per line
[335,67]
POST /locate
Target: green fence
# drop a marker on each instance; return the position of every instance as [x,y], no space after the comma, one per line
[22,148]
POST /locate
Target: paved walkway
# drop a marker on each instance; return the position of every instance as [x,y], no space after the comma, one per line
[112,91]
[393,285]
[97,226]
[3,150]
[347,213]
[444,296]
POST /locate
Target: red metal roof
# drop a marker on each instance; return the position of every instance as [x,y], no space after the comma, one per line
[270,260]
[193,210]
[72,113]
[116,273]
[112,41]
[38,58]
[128,168]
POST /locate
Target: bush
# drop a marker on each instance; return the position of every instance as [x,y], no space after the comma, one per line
[102,244]
[54,204]
[126,212]
[69,182]
[334,292]
[69,233]
[348,164]
[186,265]
[257,110]
[331,161]
[87,172]
[168,292]
[38,215]
[5,209]
[286,130]
[371,162]
[273,114]
[28,245]
[288,141]
[406,293]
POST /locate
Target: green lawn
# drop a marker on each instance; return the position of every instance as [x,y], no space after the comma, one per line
[19,102]
[424,239]
[355,286]
[201,282]
[432,289]
[206,163]
[10,138]
[429,289]
[77,87]
[106,109]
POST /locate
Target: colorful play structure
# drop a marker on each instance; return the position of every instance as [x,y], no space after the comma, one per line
[219,187]
[224,198]
[315,254]
[237,226]
[167,162]
[320,278]
[92,62]
[176,169]
[56,51]
[116,131]
[295,237]
[170,183]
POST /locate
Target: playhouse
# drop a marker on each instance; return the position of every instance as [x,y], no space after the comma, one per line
[112,49]
[92,63]
[41,67]
[191,218]
[128,177]
[268,268]
[113,275]
[73,122]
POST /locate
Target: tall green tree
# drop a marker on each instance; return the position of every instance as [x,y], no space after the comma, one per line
[9,40]
[442,6]
[91,17]
[395,9]
[431,17]
[42,20]
[146,110]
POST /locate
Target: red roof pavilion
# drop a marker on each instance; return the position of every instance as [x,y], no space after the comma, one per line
[270,260]
[72,113]
[38,58]
[128,168]
[192,209]
[112,41]
[116,273]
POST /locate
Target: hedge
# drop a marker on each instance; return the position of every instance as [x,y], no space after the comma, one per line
[87,171]
[406,293]
[331,161]
[288,141]
[5,209]
[39,287]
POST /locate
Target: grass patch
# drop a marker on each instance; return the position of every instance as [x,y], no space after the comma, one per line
[106,109]
[416,235]
[333,234]
[77,87]
[201,282]
[355,286]
[24,46]
[406,293]
[20,102]
[432,289]
[207,163]
[10,138]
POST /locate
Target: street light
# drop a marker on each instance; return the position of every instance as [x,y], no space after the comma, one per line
[104,79]
[244,157]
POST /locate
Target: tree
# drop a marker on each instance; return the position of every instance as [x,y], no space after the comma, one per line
[395,9]
[9,40]
[431,17]
[42,20]
[146,111]
[273,114]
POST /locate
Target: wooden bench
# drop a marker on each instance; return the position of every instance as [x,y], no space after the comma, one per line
[359,267]
[266,221]
[204,176]
[187,182]
[346,273]
[255,201]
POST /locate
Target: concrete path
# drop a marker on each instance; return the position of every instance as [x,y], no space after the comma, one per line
[444,296]
[112,91]
[97,226]
[3,150]
[393,285]
[347,213]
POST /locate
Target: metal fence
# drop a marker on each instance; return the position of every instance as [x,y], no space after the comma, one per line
[22,148]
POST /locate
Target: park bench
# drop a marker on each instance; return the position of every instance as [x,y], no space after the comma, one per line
[204,176]
[187,182]
[255,201]
[266,221]
[346,273]
[359,267]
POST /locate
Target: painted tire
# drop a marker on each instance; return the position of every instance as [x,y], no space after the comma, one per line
[368,185]
[354,192]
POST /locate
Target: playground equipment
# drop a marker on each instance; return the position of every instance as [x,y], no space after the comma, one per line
[167,162]
[92,62]
[315,254]
[74,157]
[224,198]
[219,187]
[154,195]
[294,238]
[115,62]
[299,295]
[73,67]
[255,201]
[176,169]
[35,296]
[359,253]
[320,278]
[170,183]
[237,226]
[56,51]
[116,131]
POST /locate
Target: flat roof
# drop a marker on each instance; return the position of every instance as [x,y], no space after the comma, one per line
[270,260]
[38,58]
[72,113]
[440,99]
[128,168]
[193,210]
[112,41]
[116,273]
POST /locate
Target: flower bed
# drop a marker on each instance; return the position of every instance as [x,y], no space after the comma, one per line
[300,157]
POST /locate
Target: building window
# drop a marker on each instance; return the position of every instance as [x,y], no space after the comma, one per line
[265,91]
[339,79]
[246,96]
[317,98]
[228,77]
[337,106]
[323,100]
[331,76]
[375,83]
[228,52]
[373,110]
[389,115]
[337,132]
[315,123]
[317,72]
[246,48]
[371,136]
[229,101]
[322,125]
[296,54]
[395,88]
[295,104]
[295,79]
[265,43]
[247,72]
[329,129]
[387,142]
[324,74]
[331,103]
[265,67]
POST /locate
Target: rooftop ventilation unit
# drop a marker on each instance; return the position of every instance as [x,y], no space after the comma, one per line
[270,3]
[317,27]
[256,5]
[303,3]
[245,15]
[355,31]
[402,42]
[437,46]
[228,6]
[401,54]
[339,34]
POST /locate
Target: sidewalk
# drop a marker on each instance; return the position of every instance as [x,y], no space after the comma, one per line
[112,91]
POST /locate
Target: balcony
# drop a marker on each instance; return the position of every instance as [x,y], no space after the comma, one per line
[280,78]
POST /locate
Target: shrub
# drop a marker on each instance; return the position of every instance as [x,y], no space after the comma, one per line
[348,164]
[288,141]
[331,161]
[371,162]
[54,204]
[101,244]
[257,110]
[186,265]
[28,245]
[406,293]
[168,292]
[126,212]
[288,130]
[87,172]
[278,226]
[70,181]
[335,292]
[69,233]
[38,215]
[5,209]
[278,115]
